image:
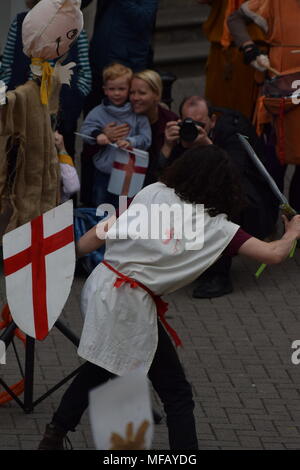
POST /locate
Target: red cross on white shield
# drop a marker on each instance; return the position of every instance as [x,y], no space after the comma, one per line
[39,263]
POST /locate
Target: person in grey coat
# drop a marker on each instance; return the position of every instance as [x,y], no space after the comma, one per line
[117,109]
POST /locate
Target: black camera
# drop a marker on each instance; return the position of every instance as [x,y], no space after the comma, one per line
[188,129]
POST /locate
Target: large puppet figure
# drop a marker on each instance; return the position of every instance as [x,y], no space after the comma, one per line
[29,169]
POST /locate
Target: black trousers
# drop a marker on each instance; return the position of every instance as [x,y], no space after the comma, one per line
[169,381]
[221,267]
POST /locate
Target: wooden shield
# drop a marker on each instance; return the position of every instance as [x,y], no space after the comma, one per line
[39,264]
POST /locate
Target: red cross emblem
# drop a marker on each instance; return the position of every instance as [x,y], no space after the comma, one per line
[128,172]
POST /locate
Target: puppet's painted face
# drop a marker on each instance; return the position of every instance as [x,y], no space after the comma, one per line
[51,27]
[65,41]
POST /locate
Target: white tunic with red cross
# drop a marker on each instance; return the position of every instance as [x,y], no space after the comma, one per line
[120,328]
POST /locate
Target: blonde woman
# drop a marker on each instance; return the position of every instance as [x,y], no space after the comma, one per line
[145,96]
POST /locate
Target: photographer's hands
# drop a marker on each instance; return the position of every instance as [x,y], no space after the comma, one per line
[202,138]
[172,137]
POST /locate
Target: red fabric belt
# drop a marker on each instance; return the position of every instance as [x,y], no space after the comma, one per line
[161,306]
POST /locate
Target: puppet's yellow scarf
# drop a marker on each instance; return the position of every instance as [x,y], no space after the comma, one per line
[47,72]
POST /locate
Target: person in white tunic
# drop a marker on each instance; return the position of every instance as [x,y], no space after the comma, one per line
[124,324]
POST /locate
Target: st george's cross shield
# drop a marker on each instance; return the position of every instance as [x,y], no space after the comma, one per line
[128,172]
[39,264]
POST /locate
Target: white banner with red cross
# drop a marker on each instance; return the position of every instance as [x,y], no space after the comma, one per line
[39,264]
[120,413]
[128,172]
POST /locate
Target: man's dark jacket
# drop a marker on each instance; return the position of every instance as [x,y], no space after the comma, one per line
[122,33]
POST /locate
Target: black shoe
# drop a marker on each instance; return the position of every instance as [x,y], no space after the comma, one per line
[215,286]
[55,438]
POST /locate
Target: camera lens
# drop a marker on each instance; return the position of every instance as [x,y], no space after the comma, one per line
[188,130]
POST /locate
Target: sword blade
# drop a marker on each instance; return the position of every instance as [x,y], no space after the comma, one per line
[262,170]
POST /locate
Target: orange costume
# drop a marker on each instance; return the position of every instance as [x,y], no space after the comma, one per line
[280,22]
[227,77]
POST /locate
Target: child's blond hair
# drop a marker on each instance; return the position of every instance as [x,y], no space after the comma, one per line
[113,71]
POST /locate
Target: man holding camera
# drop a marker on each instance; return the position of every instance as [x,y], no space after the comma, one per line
[202,125]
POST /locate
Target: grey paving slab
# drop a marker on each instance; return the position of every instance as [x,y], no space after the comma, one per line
[245,387]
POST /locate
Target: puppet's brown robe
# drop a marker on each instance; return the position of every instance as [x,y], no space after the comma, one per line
[34,186]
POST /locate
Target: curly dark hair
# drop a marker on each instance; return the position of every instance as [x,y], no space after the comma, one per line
[31,3]
[205,175]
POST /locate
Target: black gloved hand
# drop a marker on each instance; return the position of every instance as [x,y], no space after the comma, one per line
[251,51]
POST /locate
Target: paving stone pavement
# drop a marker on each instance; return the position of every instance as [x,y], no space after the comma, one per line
[237,355]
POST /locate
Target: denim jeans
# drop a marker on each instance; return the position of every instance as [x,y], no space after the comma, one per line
[100,195]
